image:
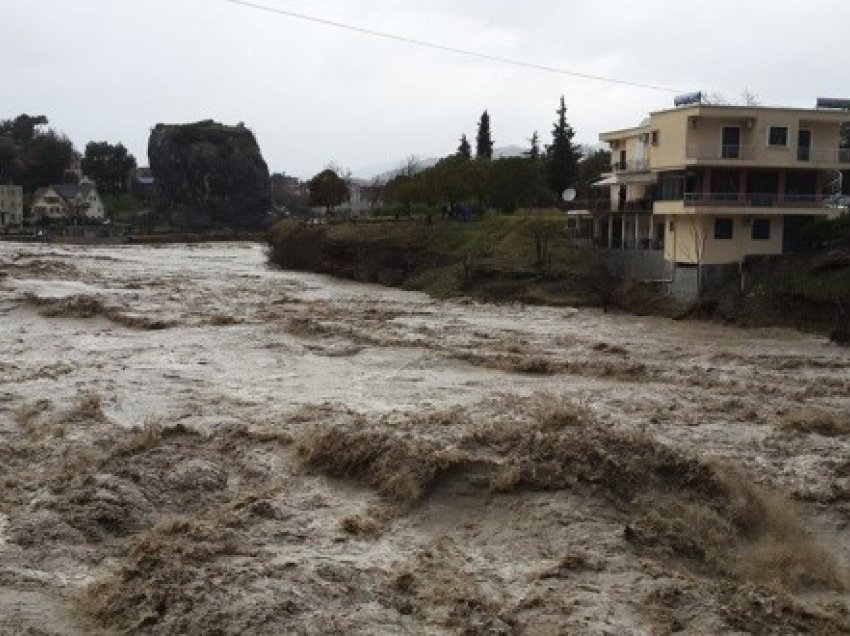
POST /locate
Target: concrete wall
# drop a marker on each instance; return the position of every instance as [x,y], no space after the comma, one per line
[691,239]
[680,281]
[642,265]
[672,127]
[684,289]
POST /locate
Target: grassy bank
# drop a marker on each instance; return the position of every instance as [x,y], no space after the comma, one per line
[523,257]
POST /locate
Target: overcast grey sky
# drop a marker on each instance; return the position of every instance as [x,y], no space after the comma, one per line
[111,69]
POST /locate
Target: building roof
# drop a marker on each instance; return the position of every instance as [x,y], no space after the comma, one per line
[68,191]
[829,114]
[144,176]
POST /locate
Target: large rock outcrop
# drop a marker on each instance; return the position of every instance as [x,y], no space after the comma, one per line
[210,174]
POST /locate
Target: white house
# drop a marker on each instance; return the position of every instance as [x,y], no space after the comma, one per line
[67,202]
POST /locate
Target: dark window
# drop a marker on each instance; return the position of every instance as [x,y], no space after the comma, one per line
[723,228]
[672,226]
[654,137]
[761,229]
[777,136]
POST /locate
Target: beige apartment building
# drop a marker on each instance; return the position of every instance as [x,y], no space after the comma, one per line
[708,185]
[11,206]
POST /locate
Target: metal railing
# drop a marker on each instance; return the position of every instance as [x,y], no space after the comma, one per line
[755,199]
[743,152]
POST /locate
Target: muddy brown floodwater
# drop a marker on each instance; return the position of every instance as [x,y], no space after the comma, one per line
[193,442]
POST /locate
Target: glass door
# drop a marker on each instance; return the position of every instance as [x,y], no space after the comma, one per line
[804,144]
[731,142]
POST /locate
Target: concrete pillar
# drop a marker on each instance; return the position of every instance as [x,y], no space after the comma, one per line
[610,231]
[782,186]
[742,185]
[622,231]
[637,231]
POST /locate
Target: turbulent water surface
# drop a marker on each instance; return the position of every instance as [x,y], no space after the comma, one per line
[191,440]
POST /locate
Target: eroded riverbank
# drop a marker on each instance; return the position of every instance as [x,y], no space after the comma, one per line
[190,439]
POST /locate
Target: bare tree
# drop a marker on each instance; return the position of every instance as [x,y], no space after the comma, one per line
[749,99]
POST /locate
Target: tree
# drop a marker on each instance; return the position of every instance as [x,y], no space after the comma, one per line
[749,99]
[108,166]
[31,156]
[513,182]
[287,195]
[43,160]
[533,152]
[22,129]
[484,138]
[327,190]
[464,150]
[562,156]
[590,169]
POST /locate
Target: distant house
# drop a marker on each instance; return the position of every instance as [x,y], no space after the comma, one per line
[67,202]
[362,199]
[142,182]
[11,206]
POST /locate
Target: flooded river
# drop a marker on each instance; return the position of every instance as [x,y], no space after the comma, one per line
[192,440]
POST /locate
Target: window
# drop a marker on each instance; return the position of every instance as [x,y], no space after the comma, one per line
[723,228]
[672,226]
[761,229]
[654,137]
[777,136]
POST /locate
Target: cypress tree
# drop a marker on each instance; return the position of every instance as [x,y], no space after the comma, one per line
[562,156]
[484,139]
[464,150]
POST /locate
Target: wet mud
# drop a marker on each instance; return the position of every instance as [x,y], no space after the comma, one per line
[193,442]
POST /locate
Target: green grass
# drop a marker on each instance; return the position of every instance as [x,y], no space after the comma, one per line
[123,208]
[524,257]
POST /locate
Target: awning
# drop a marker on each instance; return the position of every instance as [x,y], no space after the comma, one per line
[606,182]
[625,179]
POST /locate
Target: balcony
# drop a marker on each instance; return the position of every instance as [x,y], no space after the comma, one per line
[632,165]
[756,200]
[635,206]
[742,152]
[720,151]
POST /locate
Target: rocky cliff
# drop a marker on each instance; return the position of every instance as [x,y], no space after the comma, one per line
[210,174]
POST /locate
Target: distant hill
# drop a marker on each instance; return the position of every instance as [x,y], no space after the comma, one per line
[386,171]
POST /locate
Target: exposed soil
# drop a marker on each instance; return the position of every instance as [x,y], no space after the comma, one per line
[192,442]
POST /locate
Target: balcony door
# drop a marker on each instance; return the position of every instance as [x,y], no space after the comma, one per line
[730,144]
[804,144]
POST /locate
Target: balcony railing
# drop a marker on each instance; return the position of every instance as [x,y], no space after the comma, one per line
[632,165]
[743,152]
[756,199]
[719,151]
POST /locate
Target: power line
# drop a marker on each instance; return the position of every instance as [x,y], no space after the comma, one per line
[451,49]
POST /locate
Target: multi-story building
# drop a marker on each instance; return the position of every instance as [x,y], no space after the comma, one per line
[11,206]
[709,185]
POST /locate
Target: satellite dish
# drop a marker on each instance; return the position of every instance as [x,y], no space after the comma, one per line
[569,195]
